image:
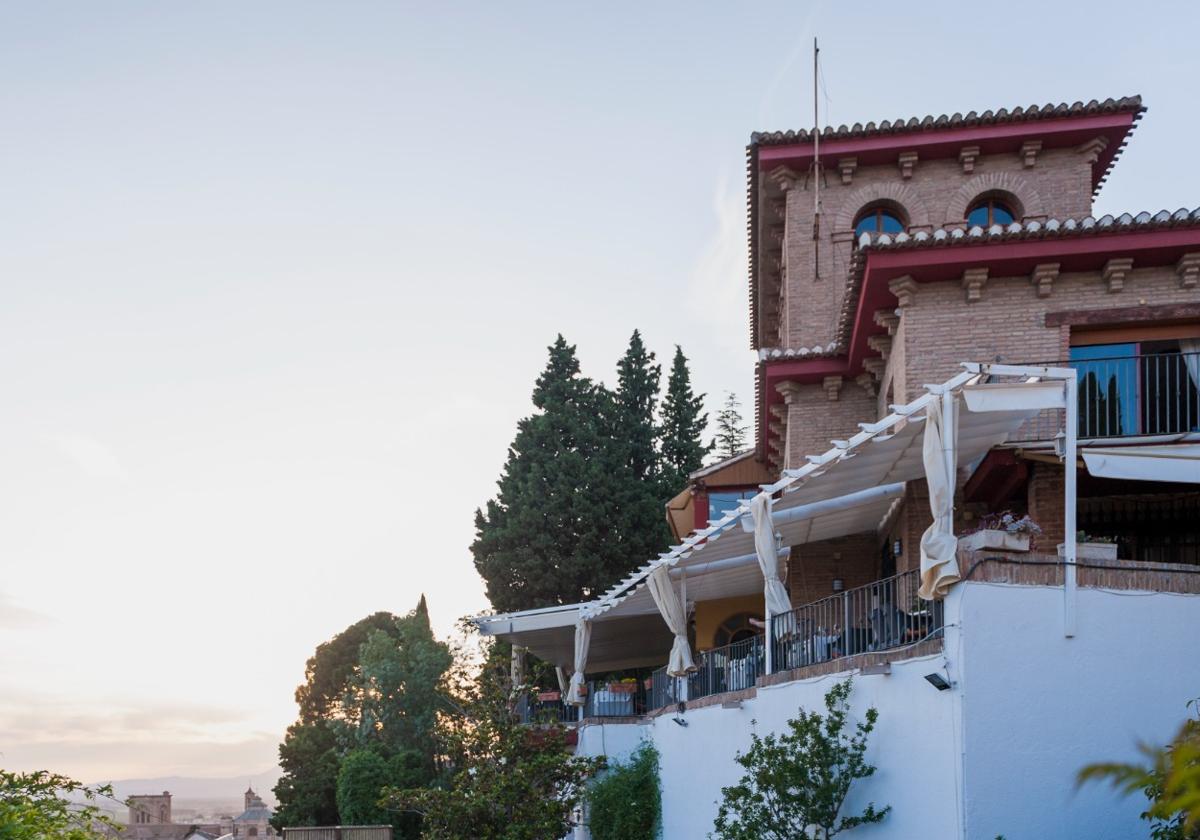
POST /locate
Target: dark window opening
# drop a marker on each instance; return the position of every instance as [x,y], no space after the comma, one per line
[878,220]
[990,211]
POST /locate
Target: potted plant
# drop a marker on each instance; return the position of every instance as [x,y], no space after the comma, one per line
[1002,532]
[1089,547]
[626,685]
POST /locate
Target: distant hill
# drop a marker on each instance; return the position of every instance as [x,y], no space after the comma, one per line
[206,794]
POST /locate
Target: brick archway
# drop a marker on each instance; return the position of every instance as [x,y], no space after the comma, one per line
[901,194]
[1008,183]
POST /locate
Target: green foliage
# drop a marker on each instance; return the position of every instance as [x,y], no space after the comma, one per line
[34,806]
[580,499]
[683,422]
[731,429]
[376,688]
[796,782]
[362,780]
[625,801]
[510,782]
[1169,778]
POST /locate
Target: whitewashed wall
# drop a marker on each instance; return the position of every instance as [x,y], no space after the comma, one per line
[1039,705]
[998,753]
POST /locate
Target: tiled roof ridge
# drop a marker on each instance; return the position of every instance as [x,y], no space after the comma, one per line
[956,120]
[961,235]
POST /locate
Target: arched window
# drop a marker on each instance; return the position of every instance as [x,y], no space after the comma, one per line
[736,628]
[986,212]
[880,218]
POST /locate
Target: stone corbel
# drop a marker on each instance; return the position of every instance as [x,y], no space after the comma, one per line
[1043,278]
[1091,149]
[973,280]
[867,382]
[907,161]
[833,387]
[846,166]
[881,344]
[888,319]
[776,428]
[966,156]
[905,290]
[784,177]
[779,412]
[1114,273]
[875,366]
[1029,152]
[789,390]
[1188,269]
[778,208]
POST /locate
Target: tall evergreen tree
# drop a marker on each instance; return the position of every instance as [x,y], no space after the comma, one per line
[683,422]
[731,431]
[547,536]
[640,530]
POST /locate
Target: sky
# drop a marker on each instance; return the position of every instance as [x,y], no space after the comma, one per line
[278,278]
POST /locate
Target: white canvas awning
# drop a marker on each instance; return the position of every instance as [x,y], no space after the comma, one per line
[849,489]
[1179,462]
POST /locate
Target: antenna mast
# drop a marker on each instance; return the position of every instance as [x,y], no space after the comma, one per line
[816,169]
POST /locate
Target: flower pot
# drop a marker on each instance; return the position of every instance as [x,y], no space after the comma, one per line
[995,540]
[549,696]
[623,688]
[1092,551]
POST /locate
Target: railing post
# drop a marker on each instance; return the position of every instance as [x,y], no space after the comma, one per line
[845,622]
[769,641]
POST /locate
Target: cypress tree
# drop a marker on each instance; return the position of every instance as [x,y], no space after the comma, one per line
[640,527]
[683,422]
[548,536]
[731,432]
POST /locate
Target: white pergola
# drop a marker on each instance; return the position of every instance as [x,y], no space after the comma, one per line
[851,488]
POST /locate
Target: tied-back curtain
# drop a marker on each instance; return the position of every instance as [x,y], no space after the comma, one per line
[674,613]
[939,548]
[517,667]
[774,594]
[1190,347]
[583,638]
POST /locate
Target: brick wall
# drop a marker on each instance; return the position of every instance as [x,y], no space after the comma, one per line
[814,566]
[937,193]
[813,419]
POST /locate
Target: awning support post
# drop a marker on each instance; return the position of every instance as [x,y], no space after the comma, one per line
[1070,455]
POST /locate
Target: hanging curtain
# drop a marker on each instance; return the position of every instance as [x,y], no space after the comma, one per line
[517,667]
[774,594]
[939,548]
[1191,347]
[563,685]
[674,613]
[583,638]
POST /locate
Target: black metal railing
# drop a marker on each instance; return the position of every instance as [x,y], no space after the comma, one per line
[729,668]
[615,699]
[1129,396]
[546,708]
[879,616]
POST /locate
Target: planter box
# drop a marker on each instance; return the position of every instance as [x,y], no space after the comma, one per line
[623,688]
[1092,551]
[549,696]
[990,540]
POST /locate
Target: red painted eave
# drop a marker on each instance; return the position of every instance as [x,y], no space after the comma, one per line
[947,142]
[1075,253]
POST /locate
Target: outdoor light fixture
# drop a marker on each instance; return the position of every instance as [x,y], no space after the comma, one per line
[680,721]
[838,584]
[1060,444]
[897,548]
[938,681]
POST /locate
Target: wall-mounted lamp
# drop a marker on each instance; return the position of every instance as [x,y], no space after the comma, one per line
[838,584]
[938,681]
[897,548]
[680,721]
[1060,444]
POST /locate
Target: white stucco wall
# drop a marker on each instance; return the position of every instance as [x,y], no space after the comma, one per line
[912,746]
[1038,706]
[996,754]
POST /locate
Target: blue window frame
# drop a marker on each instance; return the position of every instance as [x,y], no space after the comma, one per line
[990,212]
[878,220]
[720,502]
[1108,389]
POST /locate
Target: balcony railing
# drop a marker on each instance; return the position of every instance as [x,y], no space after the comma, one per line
[603,699]
[730,668]
[1129,396]
[879,616]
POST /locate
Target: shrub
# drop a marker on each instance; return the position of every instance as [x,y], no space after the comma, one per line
[625,802]
[796,783]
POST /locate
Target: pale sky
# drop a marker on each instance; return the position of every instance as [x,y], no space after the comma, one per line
[278,278]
